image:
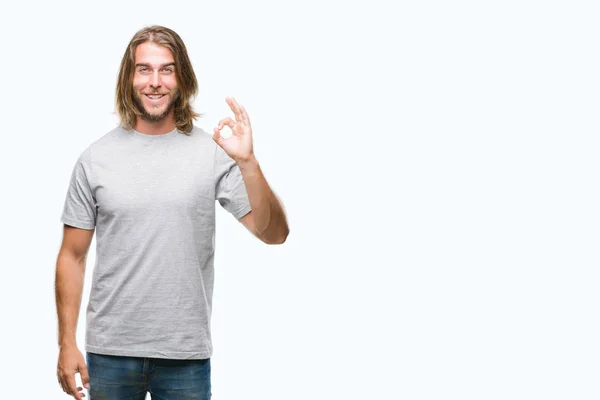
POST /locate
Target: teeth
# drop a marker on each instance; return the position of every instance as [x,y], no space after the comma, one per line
[154,96]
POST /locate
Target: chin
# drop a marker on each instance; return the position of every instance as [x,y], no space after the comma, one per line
[155,112]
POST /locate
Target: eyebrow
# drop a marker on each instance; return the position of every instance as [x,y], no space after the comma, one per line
[148,65]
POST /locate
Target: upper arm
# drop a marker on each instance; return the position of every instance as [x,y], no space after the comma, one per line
[76,242]
[248,221]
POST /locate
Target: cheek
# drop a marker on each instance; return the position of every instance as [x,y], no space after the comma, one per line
[171,84]
[139,83]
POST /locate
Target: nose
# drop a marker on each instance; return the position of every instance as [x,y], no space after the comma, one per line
[155,80]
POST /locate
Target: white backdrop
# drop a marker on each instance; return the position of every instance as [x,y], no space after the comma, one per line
[438,162]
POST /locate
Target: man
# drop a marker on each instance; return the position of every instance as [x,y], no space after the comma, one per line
[148,189]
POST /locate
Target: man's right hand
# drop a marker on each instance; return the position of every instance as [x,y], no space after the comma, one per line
[71,361]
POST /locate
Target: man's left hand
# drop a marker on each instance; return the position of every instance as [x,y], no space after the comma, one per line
[239,145]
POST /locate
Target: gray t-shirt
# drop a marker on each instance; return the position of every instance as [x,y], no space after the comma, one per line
[151,199]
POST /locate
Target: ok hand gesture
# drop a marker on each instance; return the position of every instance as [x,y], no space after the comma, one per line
[239,145]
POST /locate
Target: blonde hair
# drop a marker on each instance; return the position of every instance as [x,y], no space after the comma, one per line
[186,78]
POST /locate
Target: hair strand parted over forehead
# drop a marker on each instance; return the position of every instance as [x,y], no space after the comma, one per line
[186,78]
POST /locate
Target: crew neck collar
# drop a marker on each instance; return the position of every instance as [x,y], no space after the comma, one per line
[146,136]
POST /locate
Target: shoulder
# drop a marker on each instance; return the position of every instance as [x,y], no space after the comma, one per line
[114,134]
[203,141]
[106,141]
[201,135]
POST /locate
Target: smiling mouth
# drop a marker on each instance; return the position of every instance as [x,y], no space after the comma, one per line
[155,96]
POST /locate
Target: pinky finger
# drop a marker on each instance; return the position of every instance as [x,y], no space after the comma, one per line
[245,117]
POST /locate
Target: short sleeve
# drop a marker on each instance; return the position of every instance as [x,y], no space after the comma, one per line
[80,206]
[230,189]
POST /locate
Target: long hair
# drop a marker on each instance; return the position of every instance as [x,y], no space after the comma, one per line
[186,78]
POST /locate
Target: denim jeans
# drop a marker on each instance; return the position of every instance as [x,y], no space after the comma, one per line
[129,378]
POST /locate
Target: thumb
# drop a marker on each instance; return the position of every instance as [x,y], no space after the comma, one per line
[217,135]
[85,377]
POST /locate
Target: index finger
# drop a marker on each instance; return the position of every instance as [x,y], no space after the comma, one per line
[72,387]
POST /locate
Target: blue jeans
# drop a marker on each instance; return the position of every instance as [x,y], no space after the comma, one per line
[129,378]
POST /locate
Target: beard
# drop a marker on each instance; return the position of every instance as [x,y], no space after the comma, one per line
[147,116]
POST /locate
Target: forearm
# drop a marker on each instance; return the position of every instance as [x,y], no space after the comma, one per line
[269,217]
[70,274]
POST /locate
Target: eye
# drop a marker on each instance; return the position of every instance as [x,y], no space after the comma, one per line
[168,69]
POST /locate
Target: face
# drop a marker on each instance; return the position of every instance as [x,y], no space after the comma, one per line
[154,81]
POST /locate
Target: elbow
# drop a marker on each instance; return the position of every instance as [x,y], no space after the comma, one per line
[283,238]
[279,239]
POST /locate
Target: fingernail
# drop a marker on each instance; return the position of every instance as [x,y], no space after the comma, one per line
[87,385]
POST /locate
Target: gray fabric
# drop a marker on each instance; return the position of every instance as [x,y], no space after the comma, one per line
[151,200]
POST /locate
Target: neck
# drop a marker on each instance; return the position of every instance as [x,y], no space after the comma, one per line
[165,125]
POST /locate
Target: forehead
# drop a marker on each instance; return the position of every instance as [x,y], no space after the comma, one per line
[151,53]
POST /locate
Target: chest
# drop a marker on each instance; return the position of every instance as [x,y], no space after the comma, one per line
[153,182]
